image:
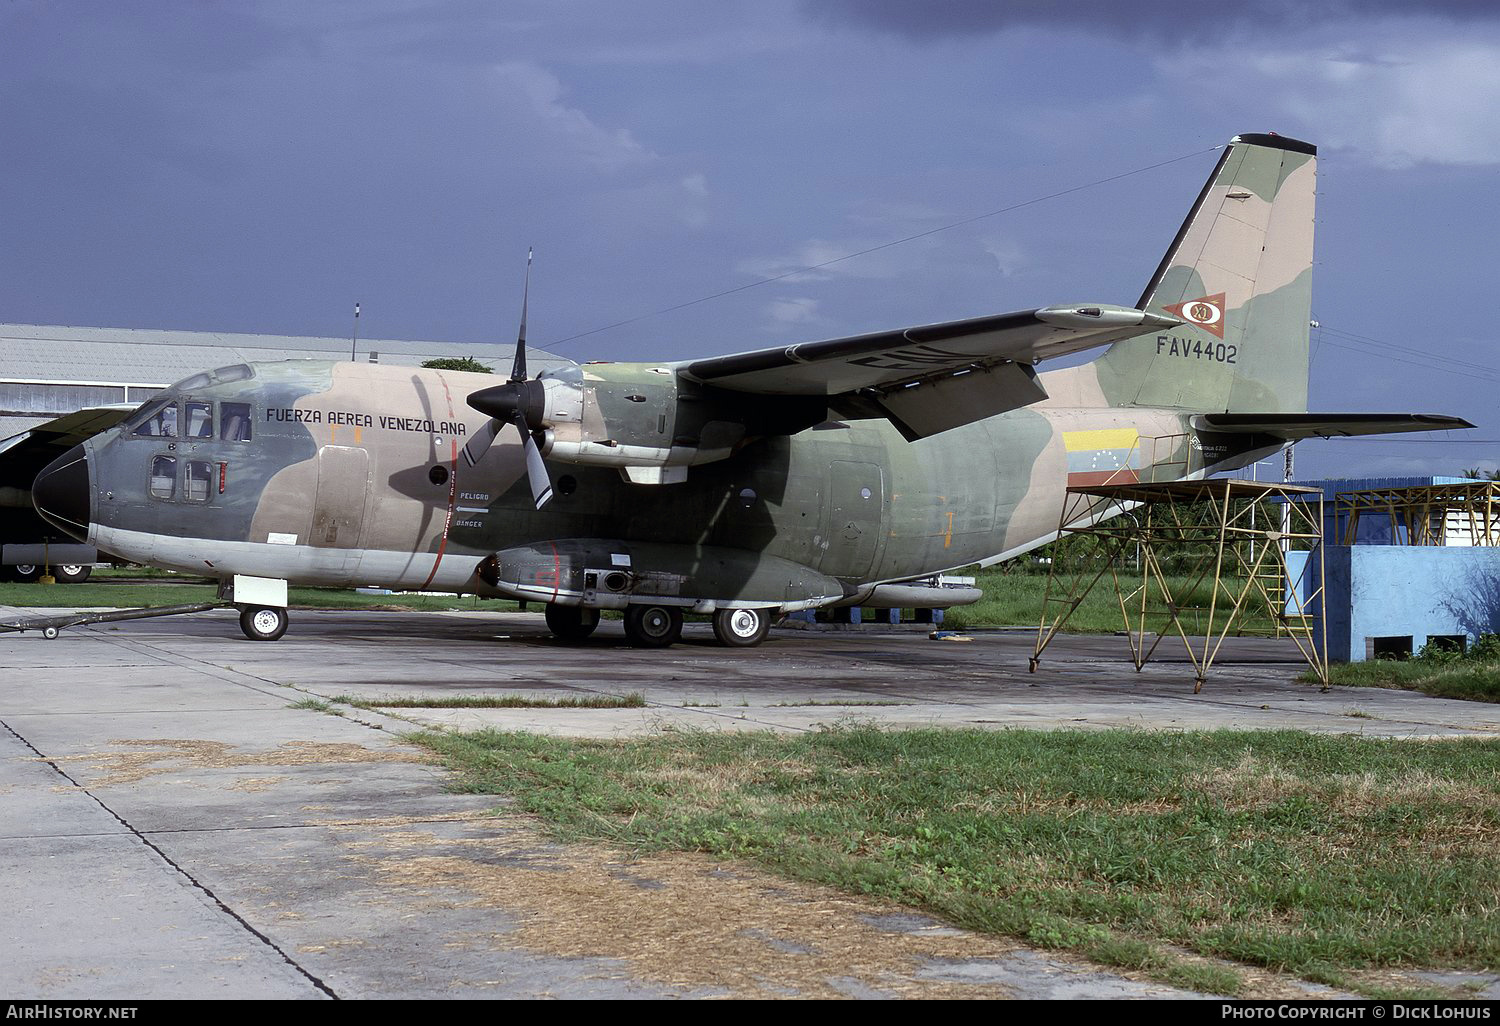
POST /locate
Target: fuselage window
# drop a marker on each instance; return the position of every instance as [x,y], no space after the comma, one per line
[234,422]
[200,476]
[198,420]
[163,477]
[161,423]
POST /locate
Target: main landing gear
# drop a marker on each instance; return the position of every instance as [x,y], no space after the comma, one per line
[652,626]
[742,628]
[571,624]
[263,623]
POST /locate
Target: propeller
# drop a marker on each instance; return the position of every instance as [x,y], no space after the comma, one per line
[519,402]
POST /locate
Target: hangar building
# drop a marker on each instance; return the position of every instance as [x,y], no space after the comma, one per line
[49,372]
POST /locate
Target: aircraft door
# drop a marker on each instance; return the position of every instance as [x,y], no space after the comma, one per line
[852,518]
[338,515]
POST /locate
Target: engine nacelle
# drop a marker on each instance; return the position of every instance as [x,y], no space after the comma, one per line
[640,418]
[647,420]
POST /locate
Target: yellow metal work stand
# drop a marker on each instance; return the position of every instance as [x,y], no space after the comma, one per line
[1228,541]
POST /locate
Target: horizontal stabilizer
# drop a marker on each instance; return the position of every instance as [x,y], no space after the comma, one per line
[1291,427]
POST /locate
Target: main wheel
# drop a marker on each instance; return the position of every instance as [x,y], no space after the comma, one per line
[742,628]
[653,626]
[72,573]
[26,572]
[571,623]
[263,623]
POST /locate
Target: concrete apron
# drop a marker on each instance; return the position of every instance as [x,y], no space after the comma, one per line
[175,829]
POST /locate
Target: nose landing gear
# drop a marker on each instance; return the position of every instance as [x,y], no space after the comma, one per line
[263,623]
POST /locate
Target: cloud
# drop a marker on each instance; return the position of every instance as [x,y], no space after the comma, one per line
[1170,20]
[828,258]
[799,310]
[1008,255]
[541,95]
[1410,103]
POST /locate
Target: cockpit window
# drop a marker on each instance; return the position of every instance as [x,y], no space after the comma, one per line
[159,420]
[198,420]
[235,372]
[220,376]
[163,477]
[234,422]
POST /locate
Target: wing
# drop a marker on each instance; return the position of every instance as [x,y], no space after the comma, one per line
[22,456]
[933,377]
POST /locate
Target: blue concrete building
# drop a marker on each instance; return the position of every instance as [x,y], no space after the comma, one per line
[1385,597]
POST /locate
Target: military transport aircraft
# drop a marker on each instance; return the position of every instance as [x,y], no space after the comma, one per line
[743,486]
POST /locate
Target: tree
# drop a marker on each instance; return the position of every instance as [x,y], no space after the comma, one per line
[456,363]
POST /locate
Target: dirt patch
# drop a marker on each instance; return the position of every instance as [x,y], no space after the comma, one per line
[1254,783]
[682,920]
[151,758]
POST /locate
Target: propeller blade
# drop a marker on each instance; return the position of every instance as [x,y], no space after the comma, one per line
[536,469]
[480,444]
[518,371]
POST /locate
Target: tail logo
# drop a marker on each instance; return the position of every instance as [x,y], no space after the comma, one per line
[1206,312]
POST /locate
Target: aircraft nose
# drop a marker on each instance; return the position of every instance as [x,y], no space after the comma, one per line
[61,493]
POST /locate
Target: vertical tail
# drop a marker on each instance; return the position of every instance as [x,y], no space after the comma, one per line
[1239,274]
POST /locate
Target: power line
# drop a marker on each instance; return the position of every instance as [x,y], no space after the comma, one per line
[883,245]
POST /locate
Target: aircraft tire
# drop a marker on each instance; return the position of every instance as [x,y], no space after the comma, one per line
[263,623]
[571,624]
[653,626]
[742,628]
[26,573]
[72,573]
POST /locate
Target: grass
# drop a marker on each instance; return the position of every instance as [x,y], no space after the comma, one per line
[316,705]
[134,587]
[1014,598]
[1010,598]
[1328,857]
[1474,676]
[633,700]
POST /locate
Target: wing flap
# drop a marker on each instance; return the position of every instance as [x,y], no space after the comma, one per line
[949,402]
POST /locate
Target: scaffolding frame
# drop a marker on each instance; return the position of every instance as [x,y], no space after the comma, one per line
[1425,514]
[1244,563]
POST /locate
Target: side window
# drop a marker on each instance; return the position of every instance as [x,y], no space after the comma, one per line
[163,477]
[197,420]
[196,484]
[161,423]
[234,422]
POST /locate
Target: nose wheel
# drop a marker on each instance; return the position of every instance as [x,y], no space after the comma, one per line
[263,623]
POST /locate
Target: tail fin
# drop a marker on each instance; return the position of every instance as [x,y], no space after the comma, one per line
[1239,274]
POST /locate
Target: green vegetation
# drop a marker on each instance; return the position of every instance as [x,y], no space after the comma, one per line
[633,700]
[316,705]
[1333,858]
[128,588]
[1442,672]
[1013,597]
[457,363]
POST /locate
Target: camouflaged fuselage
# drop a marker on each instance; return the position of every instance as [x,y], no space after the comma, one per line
[352,475]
